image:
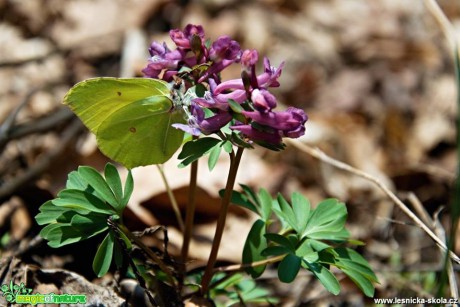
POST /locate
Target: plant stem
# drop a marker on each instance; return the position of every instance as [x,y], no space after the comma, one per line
[239,267]
[190,213]
[234,163]
[172,199]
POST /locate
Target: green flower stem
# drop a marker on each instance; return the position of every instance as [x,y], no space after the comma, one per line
[148,251]
[239,267]
[174,204]
[235,161]
[190,213]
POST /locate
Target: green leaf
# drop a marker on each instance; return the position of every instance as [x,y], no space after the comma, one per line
[131,118]
[324,276]
[195,149]
[361,281]
[253,247]
[235,106]
[289,268]
[237,139]
[328,217]
[74,181]
[49,213]
[96,180]
[286,214]
[63,234]
[45,230]
[356,242]
[81,200]
[113,180]
[275,251]
[265,201]
[122,237]
[129,187]
[339,236]
[349,258]
[214,157]
[301,209]
[103,257]
[250,194]
[89,224]
[317,245]
[281,240]
[306,252]
[240,199]
[227,146]
[200,90]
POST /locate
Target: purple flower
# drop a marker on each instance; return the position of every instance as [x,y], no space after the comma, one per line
[263,100]
[296,130]
[267,135]
[249,58]
[270,76]
[215,123]
[225,49]
[197,123]
[183,39]
[274,125]
[234,84]
[161,59]
[285,120]
[216,99]
[223,52]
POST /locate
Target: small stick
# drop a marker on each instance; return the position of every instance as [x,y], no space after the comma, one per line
[172,198]
[420,209]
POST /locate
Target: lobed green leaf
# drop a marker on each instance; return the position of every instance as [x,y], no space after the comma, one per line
[276,250]
[281,240]
[265,201]
[96,180]
[80,200]
[195,149]
[289,268]
[301,210]
[240,199]
[113,180]
[129,187]
[286,214]
[214,156]
[327,279]
[253,247]
[103,257]
[49,213]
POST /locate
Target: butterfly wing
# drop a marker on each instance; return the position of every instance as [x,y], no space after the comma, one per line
[94,100]
[131,118]
[141,132]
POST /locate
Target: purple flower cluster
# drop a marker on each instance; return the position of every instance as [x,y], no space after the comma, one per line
[255,119]
[191,51]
